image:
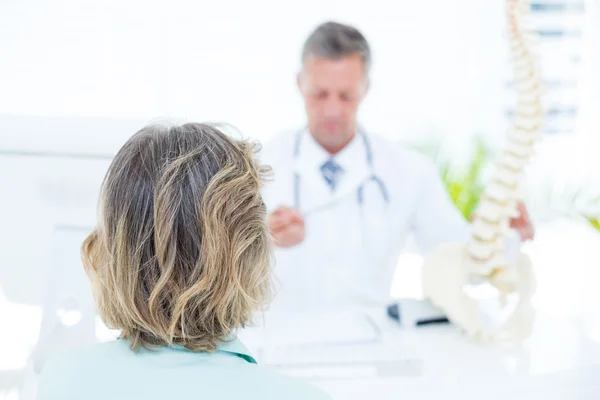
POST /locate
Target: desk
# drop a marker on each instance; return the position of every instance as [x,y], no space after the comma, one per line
[557,362]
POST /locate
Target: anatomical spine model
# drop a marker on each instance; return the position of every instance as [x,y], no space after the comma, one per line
[450,268]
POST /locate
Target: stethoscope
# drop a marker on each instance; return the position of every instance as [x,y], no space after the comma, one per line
[360,198]
[361,189]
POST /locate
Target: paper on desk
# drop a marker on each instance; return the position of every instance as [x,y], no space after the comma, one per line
[317,328]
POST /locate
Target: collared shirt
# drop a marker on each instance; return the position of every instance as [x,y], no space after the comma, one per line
[313,187]
[113,371]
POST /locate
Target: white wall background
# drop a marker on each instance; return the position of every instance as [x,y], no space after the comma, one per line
[438,65]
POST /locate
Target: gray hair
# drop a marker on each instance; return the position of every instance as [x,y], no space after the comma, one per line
[332,40]
[181,254]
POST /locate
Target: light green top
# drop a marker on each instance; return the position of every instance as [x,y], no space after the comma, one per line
[111,371]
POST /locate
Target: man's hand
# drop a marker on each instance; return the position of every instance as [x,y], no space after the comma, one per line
[286,226]
[522,223]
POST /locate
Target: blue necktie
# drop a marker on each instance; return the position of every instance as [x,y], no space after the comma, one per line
[332,173]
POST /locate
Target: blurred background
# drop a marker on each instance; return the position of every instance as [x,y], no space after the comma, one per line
[77,78]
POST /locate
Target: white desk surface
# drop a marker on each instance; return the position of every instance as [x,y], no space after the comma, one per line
[559,361]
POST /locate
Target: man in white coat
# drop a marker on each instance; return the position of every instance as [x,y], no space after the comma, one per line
[343,199]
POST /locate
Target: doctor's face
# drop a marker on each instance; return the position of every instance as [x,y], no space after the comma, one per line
[332,91]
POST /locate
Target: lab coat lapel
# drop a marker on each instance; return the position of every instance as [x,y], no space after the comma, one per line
[356,169]
[312,188]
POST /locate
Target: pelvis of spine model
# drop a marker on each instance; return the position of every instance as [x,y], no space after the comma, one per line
[451,268]
[446,274]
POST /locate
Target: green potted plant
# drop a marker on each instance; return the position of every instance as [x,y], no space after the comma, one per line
[465,180]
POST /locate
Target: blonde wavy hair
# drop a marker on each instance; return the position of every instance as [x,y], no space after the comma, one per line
[181,252]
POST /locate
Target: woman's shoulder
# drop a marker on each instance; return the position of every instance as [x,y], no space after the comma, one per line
[270,384]
[92,371]
[63,373]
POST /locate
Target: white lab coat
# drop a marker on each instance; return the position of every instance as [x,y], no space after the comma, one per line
[350,252]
